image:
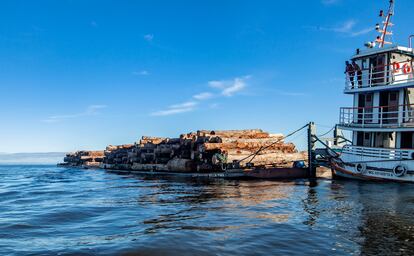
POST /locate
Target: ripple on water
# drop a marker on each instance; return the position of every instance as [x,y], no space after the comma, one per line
[49,210]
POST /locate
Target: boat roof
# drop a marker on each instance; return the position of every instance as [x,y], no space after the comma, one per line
[393,48]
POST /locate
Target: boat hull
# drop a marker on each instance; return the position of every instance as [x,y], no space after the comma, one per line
[370,173]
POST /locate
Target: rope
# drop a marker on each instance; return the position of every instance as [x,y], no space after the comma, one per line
[268,146]
[326,132]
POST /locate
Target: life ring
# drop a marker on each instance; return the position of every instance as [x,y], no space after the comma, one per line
[360,167]
[396,67]
[399,170]
[406,68]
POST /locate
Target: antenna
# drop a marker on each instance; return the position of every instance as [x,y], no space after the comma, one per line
[386,24]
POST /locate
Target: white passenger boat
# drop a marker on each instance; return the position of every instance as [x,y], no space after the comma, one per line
[382,117]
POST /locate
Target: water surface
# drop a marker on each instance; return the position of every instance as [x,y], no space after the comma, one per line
[45,210]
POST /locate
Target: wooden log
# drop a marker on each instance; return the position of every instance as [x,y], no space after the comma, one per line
[91,164]
[254,133]
[94,153]
[288,148]
[267,141]
[132,154]
[220,132]
[173,141]
[181,165]
[163,151]
[134,159]
[248,152]
[149,167]
[152,140]
[98,159]
[269,159]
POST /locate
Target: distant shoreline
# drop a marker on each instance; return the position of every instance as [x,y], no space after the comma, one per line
[46,158]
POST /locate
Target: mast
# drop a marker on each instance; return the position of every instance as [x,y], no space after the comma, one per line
[386,26]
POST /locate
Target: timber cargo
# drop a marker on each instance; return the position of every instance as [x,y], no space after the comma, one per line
[204,151]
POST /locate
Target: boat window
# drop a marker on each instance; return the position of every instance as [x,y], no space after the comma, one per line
[393,96]
[407,140]
[367,139]
[364,64]
[360,139]
[378,69]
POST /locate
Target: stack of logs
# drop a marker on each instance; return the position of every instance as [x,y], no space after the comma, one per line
[84,159]
[197,151]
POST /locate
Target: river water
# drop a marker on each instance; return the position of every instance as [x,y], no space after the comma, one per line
[45,210]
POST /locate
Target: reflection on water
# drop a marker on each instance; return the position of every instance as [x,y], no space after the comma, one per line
[48,210]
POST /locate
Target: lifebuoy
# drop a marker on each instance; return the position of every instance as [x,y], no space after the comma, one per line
[360,167]
[399,170]
[396,67]
[406,68]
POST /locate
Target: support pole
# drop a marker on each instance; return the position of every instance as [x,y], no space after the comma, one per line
[337,134]
[311,150]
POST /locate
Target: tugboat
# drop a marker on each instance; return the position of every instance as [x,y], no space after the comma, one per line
[381,80]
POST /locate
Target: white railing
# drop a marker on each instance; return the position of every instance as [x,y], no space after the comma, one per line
[395,74]
[382,117]
[384,153]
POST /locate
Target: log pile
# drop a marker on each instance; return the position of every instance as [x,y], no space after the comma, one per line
[87,159]
[116,156]
[198,151]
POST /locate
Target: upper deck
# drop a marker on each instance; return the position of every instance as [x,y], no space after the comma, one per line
[381,69]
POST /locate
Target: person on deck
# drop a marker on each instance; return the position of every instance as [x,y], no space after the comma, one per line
[358,71]
[351,73]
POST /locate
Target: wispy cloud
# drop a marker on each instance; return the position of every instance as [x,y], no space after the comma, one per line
[149,37]
[203,96]
[176,109]
[89,111]
[362,32]
[141,73]
[346,28]
[188,104]
[226,88]
[230,87]
[94,24]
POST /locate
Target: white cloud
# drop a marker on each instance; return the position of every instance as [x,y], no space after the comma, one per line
[217,84]
[89,111]
[188,104]
[362,32]
[230,87]
[203,96]
[227,88]
[346,28]
[141,73]
[237,86]
[149,37]
[176,109]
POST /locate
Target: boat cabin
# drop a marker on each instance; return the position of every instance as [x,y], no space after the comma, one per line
[383,67]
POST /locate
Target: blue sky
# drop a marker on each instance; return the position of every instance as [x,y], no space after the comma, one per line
[85,74]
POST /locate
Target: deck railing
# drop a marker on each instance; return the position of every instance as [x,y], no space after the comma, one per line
[384,153]
[395,74]
[381,117]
